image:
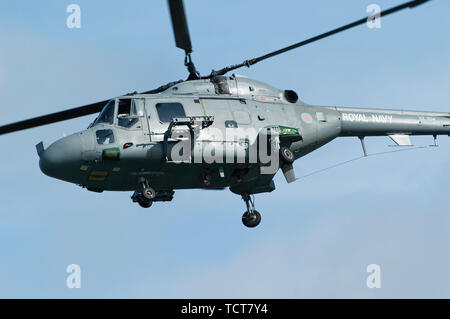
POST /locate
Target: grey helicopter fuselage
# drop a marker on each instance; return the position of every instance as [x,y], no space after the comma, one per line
[128,142]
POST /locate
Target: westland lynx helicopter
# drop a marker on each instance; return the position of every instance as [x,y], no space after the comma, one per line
[133,143]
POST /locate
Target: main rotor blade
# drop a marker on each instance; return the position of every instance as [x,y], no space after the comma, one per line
[53,117]
[70,113]
[248,63]
[180,27]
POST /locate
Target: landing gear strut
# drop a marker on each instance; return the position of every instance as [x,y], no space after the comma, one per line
[148,192]
[251,218]
[146,196]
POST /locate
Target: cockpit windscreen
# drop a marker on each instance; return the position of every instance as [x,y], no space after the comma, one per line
[107,114]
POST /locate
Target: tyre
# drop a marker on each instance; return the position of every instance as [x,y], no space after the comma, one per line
[251,220]
[145,203]
[286,155]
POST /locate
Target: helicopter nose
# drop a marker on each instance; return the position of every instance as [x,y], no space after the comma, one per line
[60,158]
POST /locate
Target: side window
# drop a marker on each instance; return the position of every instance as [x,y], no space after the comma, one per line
[105,137]
[167,111]
[127,113]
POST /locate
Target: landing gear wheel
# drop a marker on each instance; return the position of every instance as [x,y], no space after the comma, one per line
[287,155]
[251,219]
[149,193]
[145,203]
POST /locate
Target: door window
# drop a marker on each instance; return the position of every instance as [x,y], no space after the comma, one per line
[128,113]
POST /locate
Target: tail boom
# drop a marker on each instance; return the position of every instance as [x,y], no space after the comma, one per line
[380,122]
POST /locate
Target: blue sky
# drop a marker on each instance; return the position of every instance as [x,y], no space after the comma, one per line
[317,235]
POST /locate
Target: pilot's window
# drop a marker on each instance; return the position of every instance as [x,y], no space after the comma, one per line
[127,113]
[167,111]
[105,137]
[107,114]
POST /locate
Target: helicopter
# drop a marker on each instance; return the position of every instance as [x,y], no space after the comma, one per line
[215,131]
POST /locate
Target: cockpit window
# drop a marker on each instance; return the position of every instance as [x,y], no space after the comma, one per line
[105,137]
[124,108]
[129,112]
[167,111]
[107,114]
